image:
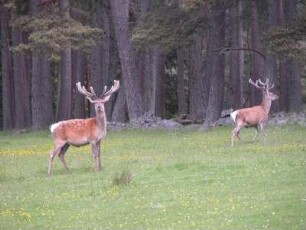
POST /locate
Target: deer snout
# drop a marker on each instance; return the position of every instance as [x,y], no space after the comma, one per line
[99,107]
[275,97]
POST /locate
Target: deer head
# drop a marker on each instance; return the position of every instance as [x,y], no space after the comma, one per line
[265,87]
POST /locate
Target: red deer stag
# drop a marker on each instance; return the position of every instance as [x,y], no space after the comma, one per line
[79,132]
[256,116]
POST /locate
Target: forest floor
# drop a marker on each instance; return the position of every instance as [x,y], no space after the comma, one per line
[157,179]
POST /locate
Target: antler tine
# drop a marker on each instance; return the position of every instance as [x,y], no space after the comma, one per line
[271,87]
[93,92]
[256,83]
[263,83]
[104,90]
[83,91]
[267,85]
[113,89]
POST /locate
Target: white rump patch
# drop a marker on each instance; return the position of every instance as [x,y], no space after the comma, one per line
[234,115]
[54,126]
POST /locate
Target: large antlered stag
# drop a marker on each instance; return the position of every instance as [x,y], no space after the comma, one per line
[79,132]
[256,116]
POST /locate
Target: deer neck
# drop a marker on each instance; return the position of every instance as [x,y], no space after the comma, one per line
[266,103]
[101,119]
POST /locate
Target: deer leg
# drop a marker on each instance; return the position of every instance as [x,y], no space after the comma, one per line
[99,155]
[261,128]
[52,154]
[235,132]
[238,135]
[256,134]
[94,149]
[61,155]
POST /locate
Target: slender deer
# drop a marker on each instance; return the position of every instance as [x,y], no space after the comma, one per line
[79,132]
[256,116]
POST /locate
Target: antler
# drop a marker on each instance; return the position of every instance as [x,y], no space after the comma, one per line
[112,90]
[263,85]
[90,96]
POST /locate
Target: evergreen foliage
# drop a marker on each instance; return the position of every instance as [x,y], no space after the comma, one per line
[50,33]
[168,26]
[289,41]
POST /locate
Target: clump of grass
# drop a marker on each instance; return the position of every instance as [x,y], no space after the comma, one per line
[123,178]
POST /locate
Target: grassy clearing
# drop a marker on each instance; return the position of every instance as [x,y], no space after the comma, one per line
[178,180]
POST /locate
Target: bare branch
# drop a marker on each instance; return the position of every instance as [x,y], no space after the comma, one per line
[248,49]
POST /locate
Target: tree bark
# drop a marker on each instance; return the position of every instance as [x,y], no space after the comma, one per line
[64,102]
[271,66]
[280,21]
[158,72]
[78,74]
[293,72]
[199,81]
[42,110]
[7,73]
[257,62]
[236,57]
[114,72]
[181,95]
[216,65]
[21,85]
[120,108]
[120,15]
[97,79]
[294,86]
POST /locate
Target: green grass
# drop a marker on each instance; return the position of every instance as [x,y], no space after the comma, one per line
[180,180]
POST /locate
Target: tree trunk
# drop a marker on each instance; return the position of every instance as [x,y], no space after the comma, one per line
[42,111]
[120,111]
[181,95]
[199,81]
[293,72]
[236,57]
[108,55]
[120,15]
[280,21]
[114,72]
[294,86]
[21,85]
[64,102]
[158,72]
[97,79]
[271,64]
[78,74]
[148,83]
[7,73]
[257,62]
[216,65]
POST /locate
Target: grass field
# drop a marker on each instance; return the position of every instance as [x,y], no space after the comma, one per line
[179,180]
